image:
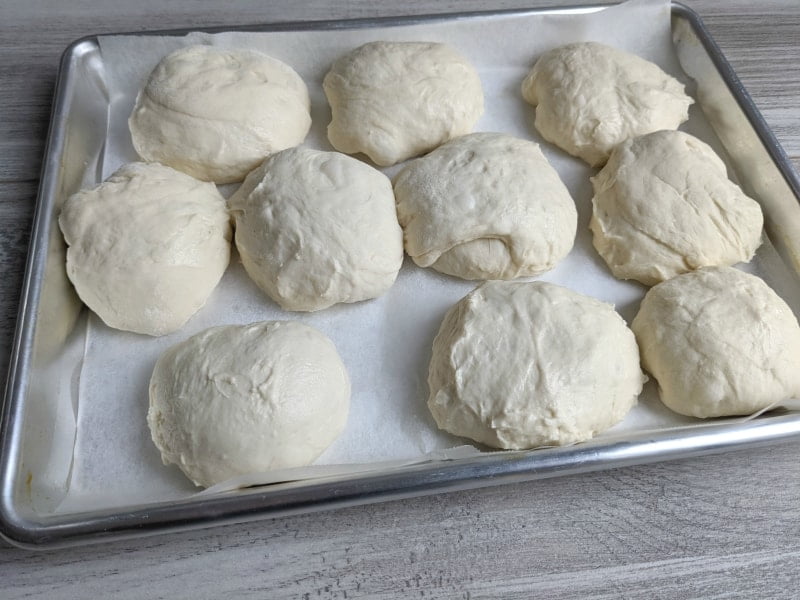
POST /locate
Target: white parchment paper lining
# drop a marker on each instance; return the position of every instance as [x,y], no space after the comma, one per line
[385,343]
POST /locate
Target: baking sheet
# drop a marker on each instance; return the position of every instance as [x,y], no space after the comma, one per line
[385,343]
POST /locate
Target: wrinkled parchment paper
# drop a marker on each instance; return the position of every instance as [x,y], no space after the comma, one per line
[385,343]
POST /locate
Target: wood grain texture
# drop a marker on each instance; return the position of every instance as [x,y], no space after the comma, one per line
[711,527]
[723,526]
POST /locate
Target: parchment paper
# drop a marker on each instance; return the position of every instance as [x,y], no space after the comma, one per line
[385,343]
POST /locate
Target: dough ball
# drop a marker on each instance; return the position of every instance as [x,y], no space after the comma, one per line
[719,342]
[246,399]
[146,247]
[663,205]
[485,206]
[590,97]
[215,113]
[395,100]
[316,228]
[519,365]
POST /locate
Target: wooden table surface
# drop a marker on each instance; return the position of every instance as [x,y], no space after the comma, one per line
[713,527]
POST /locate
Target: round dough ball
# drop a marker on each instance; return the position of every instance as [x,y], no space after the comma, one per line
[317,228]
[216,113]
[663,205]
[719,342]
[395,100]
[146,247]
[485,206]
[246,399]
[519,365]
[590,97]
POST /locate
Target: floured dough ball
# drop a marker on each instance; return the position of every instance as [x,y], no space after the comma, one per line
[246,399]
[216,113]
[485,206]
[146,247]
[520,365]
[590,97]
[663,205]
[719,342]
[317,228]
[395,100]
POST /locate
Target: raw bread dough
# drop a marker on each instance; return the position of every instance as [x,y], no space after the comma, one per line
[720,342]
[216,113]
[519,365]
[590,97]
[146,247]
[664,205]
[395,100]
[316,228]
[247,398]
[485,206]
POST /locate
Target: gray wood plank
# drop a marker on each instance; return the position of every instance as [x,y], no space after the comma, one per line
[672,530]
[16,210]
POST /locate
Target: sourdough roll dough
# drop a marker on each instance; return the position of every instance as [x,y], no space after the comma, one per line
[395,100]
[317,228]
[216,113]
[719,342]
[663,205]
[518,365]
[244,399]
[590,97]
[485,206]
[146,247]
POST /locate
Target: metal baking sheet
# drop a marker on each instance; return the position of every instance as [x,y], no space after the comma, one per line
[47,308]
